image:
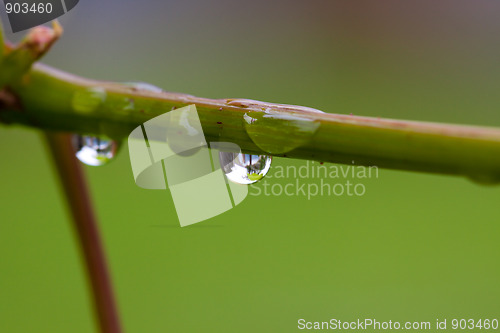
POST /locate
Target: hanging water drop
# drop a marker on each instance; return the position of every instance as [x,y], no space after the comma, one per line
[244,168]
[95,151]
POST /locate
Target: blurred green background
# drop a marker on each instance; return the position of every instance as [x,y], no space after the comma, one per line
[415,247]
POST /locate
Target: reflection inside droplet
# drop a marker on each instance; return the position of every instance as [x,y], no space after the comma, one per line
[93,150]
[244,168]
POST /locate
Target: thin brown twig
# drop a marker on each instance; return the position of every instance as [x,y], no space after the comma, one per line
[85,222]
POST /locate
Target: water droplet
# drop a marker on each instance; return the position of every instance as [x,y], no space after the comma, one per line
[144,87]
[184,132]
[278,133]
[244,168]
[93,150]
[88,100]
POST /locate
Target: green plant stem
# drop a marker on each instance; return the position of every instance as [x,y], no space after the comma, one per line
[85,223]
[52,99]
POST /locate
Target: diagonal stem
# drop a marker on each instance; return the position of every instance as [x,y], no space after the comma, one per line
[85,223]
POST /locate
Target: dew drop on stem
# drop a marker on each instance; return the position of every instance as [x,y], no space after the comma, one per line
[93,150]
[143,86]
[279,133]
